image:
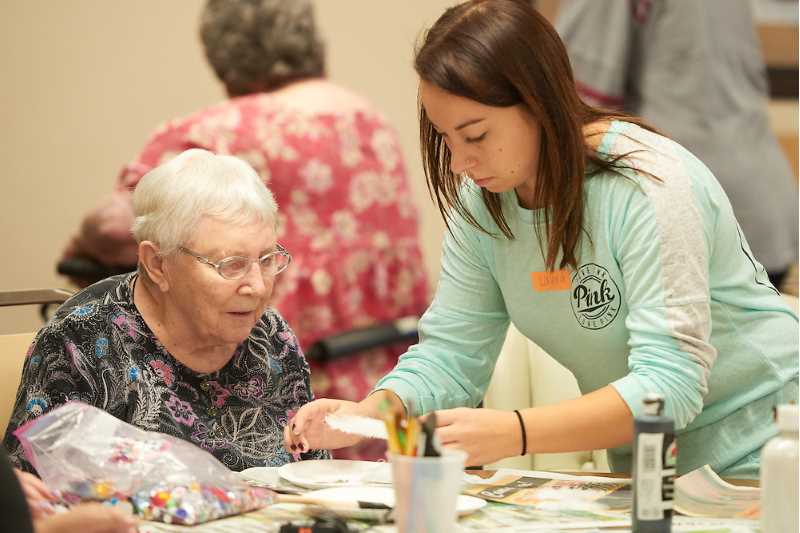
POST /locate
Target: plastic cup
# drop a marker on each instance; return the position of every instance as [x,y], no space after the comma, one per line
[426,491]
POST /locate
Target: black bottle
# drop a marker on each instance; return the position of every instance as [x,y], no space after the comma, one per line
[654,459]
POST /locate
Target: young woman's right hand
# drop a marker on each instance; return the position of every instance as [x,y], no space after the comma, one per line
[307,430]
[88,518]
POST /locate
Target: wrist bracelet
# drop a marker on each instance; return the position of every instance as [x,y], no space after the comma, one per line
[524,435]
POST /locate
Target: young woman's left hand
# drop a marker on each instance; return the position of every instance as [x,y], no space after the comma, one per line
[487,435]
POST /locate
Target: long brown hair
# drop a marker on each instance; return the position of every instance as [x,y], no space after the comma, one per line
[503,53]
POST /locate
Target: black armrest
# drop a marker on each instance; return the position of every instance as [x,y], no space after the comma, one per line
[357,340]
[89,270]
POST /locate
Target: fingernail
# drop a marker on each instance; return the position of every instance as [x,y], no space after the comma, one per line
[46,507]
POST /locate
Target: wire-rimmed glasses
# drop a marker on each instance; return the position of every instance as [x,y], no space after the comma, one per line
[237,267]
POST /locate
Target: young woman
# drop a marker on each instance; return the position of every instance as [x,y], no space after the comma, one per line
[609,245]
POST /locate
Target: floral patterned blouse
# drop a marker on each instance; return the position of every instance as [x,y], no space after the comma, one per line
[346,211]
[97,349]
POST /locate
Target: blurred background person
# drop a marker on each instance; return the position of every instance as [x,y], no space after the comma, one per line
[695,71]
[335,167]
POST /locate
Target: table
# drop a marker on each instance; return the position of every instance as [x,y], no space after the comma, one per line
[493,517]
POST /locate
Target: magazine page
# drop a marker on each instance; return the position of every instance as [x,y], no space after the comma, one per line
[546,491]
[702,492]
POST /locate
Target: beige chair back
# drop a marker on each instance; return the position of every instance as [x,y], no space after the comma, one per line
[13,349]
[792,302]
[526,376]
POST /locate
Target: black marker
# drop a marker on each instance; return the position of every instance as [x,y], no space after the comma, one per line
[432,446]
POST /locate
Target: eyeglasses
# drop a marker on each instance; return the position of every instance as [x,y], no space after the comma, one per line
[236,267]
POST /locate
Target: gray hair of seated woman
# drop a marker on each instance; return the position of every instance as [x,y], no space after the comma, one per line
[172,199]
[261,45]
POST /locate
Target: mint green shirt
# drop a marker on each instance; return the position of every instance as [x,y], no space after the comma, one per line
[667,298]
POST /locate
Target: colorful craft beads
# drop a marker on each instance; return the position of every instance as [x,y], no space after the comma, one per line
[196,503]
[102,490]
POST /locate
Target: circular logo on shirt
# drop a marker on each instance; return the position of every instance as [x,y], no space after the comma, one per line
[595,297]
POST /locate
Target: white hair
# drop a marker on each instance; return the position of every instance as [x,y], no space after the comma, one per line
[171,199]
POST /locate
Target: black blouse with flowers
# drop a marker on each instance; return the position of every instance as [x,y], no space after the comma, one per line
[97,349]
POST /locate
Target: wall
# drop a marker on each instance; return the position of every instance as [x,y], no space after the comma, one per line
[85,81]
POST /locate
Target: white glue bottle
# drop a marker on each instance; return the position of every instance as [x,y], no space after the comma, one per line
[779,478]
[654,459]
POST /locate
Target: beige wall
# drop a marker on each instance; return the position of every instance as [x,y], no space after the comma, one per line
[85,81]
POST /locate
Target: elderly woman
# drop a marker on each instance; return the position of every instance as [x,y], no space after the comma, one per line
[187,345]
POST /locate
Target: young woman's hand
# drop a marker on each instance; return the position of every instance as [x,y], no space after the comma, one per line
[88,518]
[307,430]
[487,435]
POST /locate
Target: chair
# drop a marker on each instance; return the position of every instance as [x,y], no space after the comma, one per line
[792,302]
[789,286]
[14,347]
[527,376]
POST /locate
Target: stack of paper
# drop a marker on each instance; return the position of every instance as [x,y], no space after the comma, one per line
[702,492]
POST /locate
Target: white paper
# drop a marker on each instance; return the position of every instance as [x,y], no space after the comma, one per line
[357,425]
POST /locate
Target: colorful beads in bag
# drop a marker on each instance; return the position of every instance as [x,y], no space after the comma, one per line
[195,503]
[87,454]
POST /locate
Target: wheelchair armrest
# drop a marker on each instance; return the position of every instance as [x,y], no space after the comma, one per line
[360,339]
[89,270]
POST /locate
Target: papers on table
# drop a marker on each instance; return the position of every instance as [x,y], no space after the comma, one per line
[546,501]
[698,492]
[550,491]
[686,524]
[702,492]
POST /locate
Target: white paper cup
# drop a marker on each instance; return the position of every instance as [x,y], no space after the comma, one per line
[426,491]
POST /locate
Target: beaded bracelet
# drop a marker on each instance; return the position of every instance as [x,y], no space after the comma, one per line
[524,435]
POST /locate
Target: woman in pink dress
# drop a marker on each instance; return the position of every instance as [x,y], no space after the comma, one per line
[335,167]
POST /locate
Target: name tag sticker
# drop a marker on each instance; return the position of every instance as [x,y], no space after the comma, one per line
[551,281]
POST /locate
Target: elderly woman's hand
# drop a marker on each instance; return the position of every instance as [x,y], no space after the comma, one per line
[487,435]
[307,430]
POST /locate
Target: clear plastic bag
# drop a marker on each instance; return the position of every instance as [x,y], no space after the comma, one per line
[88,454]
